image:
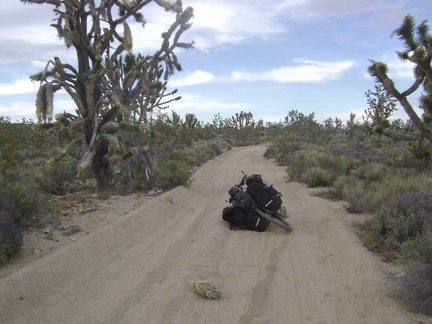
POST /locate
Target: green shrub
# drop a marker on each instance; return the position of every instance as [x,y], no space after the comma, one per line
[183,156]
[375,172]
[317,177]
[343,165]
[341,184]
[203,153]
[418,183]
[375,193]
[300,164]
[11,237]
[360,198]
[403,218]
[270,153]
[356,198]
[19,198]
[58,176]
[418,249]
[170,174]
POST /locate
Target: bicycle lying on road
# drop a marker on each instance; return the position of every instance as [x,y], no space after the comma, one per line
[260,198]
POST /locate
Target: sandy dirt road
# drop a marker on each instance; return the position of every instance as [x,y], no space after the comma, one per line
[138,268]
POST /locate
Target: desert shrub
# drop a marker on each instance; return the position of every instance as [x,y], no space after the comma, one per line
[376,193]
[216,149]
[403,217]
[341,182]
[183,156]
[370,171]
[343,165]
[416,284]
[203,153]
[418,248]
[58,176]
[415,288]
[16,140]
[375,172]
[19,198]
[170,174]
[11,237]
[270,152]
[420,182]
[302,161]
[356,198]
[393,185]
[284,149]
[360,198]
[317,177]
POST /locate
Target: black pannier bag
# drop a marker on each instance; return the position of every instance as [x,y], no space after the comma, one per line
[264,194]
[239,218]
[240,199]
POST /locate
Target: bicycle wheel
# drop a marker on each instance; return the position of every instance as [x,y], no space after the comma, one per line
[275,219]
[282,222]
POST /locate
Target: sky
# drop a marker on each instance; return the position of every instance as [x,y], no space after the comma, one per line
[264,57]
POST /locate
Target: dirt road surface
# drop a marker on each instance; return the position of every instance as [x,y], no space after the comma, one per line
[137,269]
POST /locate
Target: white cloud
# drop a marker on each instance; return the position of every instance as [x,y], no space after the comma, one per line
[399,69]
[18,110]
[227,22]
[19,86]
[37,34]
[339,7]
[196,77]
[26,109]
[308,71]
[191,103]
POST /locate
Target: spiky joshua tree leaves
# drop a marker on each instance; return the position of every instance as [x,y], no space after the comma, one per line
[109,83]
[418,50]
[381,107]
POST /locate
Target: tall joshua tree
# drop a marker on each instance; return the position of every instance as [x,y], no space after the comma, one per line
[418,50]
[109,84]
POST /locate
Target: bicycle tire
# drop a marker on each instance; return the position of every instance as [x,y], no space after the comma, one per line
[285,225]
[275,219]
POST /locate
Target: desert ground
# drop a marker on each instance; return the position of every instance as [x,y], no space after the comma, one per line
[136,256]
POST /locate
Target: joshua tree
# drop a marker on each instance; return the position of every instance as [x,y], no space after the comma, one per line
[418,50]
[296,118]
[109,84]
[381,107]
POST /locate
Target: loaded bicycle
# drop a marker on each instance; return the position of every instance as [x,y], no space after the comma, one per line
[258,200]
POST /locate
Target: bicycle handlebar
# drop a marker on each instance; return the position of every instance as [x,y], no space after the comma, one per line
[242,181]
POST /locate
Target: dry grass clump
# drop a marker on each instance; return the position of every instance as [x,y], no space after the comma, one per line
[415,288]
[205,289]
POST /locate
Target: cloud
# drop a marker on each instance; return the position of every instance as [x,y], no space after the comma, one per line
[228,22]
[196,77]
[399,69]
[338,7]
[196,104]
[20,86]
[308,71]
[18,110]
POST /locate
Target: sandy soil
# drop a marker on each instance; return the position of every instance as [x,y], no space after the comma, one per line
[135,257]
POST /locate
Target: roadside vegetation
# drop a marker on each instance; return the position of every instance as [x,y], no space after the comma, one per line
[378,166]
[119,143]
